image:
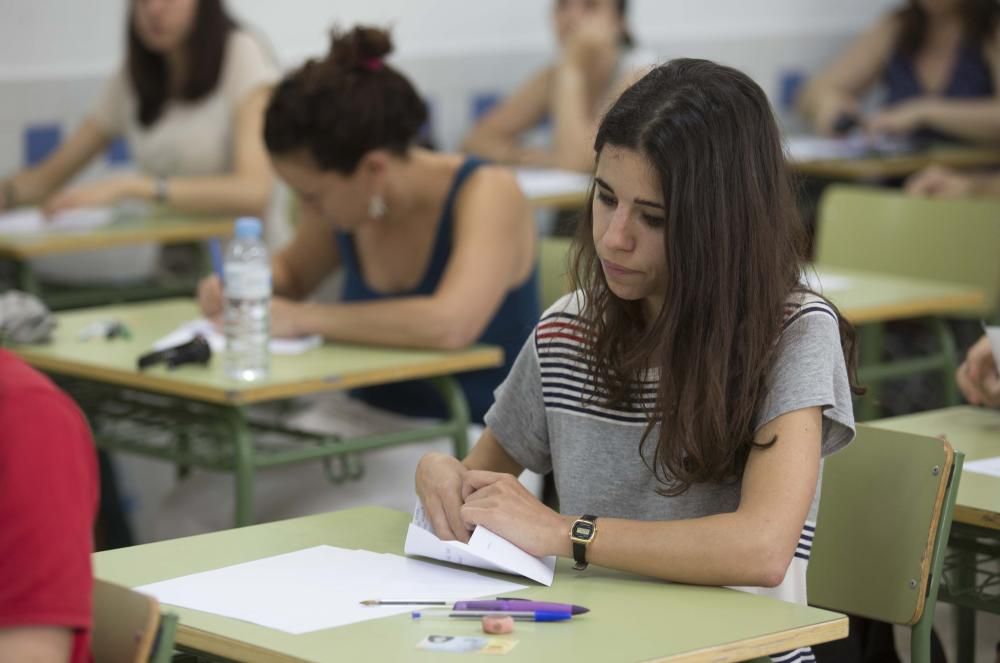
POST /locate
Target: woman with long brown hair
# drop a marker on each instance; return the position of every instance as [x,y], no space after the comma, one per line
[189,100]
[939,64]
[685,394]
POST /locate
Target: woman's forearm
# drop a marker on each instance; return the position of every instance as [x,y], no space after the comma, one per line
[224,194]
[572,144]
[724,549]
[977,121]
[414,322]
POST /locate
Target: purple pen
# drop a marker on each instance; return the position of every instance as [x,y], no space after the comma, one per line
[520,604]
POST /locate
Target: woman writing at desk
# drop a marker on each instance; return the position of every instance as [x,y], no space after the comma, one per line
[939,62]
[437,250]
[686,413]
[189,99]
[596,62]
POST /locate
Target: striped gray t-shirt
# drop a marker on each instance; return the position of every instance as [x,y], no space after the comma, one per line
[543,417]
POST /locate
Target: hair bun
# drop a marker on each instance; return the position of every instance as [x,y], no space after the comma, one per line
[357,48]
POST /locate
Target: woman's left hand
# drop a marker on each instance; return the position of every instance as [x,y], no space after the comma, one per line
[501,504]
[285,318]
[98,194]
[902,118]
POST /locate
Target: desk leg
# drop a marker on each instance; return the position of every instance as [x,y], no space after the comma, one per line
[26,280]
[243,464]
[965,616]
[871,339]
[458,411]
[946,341]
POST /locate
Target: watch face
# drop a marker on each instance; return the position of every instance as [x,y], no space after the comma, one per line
[583,530]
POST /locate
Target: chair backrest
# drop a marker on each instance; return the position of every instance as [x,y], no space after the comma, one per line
[882,230]
[125,624]
[553,274]
[883,525]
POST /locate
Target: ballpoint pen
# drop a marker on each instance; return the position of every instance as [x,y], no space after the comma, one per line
[517,615]
[500,603]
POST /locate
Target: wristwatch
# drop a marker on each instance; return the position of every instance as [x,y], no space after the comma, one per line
[583,532]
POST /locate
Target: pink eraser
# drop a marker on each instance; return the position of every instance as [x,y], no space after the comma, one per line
[498,624]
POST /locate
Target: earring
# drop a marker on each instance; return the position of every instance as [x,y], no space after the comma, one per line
[376,206]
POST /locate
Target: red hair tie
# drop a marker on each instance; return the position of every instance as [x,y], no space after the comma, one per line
[372,64]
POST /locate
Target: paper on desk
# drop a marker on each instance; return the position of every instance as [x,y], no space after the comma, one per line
[217,341]
[321,587]
[853,146]
[542,182]
[825,283]
[485,550]
[31,220]
[990,466]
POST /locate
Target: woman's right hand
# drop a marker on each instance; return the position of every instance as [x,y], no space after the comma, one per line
[831,109]
[210,299]
[978,377]
[939,182]
[439,486]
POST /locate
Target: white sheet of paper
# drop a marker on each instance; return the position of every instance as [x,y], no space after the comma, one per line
[541,182]
[993,333]
[853,146]
[217,341]
[485,550]
[30,220]
[990,466]
[816,148]
[826,283]
[321,587]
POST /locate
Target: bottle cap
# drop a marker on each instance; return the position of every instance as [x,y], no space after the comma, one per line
[248,227]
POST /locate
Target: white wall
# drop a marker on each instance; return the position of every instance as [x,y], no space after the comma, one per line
[57,51]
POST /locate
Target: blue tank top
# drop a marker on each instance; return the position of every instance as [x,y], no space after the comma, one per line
[511,325]
[971,78]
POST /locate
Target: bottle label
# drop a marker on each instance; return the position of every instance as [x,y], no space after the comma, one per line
[247,281]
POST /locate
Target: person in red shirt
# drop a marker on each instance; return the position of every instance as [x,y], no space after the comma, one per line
[48,501]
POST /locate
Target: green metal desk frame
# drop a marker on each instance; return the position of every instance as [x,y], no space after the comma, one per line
[230,438]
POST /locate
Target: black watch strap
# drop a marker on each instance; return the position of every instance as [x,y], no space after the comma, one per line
[580,549]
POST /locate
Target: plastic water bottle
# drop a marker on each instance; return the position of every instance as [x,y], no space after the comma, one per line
[247,290]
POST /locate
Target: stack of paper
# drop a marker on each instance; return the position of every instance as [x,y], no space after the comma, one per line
[485,550]
[854,146]
[31,220]
[538,183]
[216,340]
[321,587]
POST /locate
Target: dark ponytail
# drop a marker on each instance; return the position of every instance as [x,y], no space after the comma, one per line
[342,106]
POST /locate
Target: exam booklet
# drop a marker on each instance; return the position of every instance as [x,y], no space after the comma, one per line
[485,550]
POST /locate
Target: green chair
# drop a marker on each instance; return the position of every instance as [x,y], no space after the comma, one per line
[129,628]
[553,274]
[882,230]
[882,530]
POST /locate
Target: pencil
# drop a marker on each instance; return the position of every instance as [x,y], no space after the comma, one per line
[377,602]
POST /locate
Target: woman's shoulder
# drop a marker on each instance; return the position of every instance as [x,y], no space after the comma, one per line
[249,62]
[487,184]
[247,43]
[806,304]
[567,309]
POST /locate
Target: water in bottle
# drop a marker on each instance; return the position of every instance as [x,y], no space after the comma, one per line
[247,291]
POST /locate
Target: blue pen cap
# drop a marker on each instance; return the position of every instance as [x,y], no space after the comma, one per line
[551,616]
[248,227]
